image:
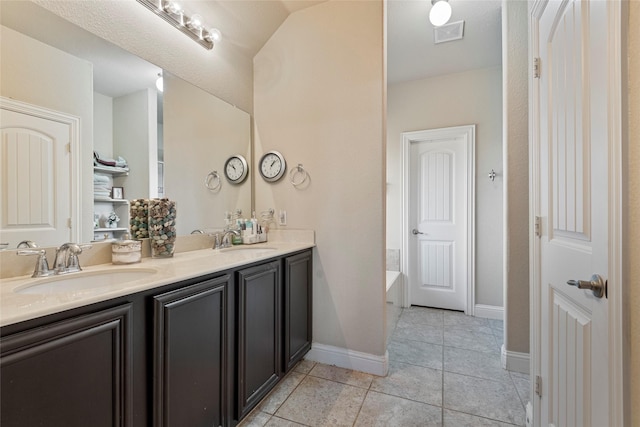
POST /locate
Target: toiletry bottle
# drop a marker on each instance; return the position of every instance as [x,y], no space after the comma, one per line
[237,239]
[249,228]
[254,223]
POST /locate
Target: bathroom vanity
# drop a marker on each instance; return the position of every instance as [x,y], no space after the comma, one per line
[198,342]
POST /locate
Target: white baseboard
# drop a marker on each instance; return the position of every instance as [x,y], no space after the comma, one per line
[488,311]
[349,359]
[514,361]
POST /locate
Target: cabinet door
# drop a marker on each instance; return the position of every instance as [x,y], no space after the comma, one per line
[71,373]
[259,336]
[190,355]
[297,308]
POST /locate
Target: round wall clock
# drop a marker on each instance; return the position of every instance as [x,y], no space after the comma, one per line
[236,169]
[272,166]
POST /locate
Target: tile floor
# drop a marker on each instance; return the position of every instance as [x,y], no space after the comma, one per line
[444,370]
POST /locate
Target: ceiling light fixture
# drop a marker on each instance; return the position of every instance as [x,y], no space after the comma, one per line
[191,25]
[440,12]
[160,83]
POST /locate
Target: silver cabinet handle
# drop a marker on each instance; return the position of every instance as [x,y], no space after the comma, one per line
[597,285]
[415,231]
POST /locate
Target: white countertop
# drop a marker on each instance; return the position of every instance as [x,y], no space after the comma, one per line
[17,307]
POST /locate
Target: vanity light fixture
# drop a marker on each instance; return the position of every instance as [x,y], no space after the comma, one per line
[191,25]
[440,12]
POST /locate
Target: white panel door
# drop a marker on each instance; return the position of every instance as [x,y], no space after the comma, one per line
[35,180]
[438,214]
[573,178]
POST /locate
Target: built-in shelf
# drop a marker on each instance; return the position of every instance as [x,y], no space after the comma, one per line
[102,206]
[112,170]
[108,200]
[111,229]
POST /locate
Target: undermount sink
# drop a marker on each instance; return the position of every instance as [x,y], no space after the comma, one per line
[85,280]
[247,249]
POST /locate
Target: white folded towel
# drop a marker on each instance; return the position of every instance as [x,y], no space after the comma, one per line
[97,178]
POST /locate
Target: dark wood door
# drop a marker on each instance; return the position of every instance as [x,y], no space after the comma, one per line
[297,308]
[73,373]
[259,334]
[191,344]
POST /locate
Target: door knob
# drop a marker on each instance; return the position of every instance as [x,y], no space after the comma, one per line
[597,285]
[415,231]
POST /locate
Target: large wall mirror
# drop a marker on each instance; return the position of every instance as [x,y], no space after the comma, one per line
[171,140]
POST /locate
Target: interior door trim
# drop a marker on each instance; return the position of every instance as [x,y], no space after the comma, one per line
[469,133]
[75,150]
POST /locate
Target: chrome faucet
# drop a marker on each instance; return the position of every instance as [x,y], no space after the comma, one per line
[66,260]
[222,239]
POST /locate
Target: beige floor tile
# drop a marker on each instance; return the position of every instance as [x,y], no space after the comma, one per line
[383,410]
[458,419]
[341,375]
[496,400]
[318,402]
[304,366]
[411,382]
[255,419]
[281,422]
[272,402]
[473,390]
[416,353]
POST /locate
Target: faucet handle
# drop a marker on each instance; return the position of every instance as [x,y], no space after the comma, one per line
[73,263]
[84,246]
[42,265]
[216,244]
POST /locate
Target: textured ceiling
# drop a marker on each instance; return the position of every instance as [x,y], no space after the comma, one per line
[246,25]
[411,53]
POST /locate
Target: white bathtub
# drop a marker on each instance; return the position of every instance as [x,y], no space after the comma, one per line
[394,303]
[392,279]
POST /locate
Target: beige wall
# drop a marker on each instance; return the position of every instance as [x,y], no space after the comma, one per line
[38,74]
[319,89]
[103,124]
[516,175]
[135,138]
[201,135]
[632,271]
[473,97]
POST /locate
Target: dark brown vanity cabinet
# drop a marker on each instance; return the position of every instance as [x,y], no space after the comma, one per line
[191,355]
[258,324]
[75,372]
[297,308]
[200,352]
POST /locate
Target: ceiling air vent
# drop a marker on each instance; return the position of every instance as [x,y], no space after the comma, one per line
[448,32]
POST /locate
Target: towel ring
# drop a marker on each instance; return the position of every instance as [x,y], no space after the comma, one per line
[213,182]
[298,170]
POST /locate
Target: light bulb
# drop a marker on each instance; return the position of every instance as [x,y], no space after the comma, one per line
[173,7]
[195,22]
[214,35]
[440,13]
[160,83]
